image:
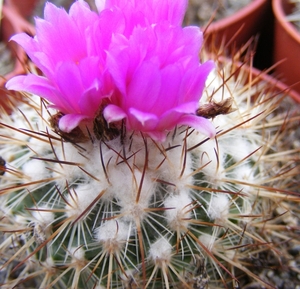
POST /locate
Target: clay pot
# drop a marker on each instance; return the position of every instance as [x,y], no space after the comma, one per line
[256,76]
[236,30]
[14,20]
[286,45]
[275,84]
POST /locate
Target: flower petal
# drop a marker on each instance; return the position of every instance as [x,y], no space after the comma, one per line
[134,54]
[100,4]
[70,121]
[69,82]
[37,85]
[143,121]
[154,11]
[172,117]
[146,81]
[193,81]
[113,113]
[201,124]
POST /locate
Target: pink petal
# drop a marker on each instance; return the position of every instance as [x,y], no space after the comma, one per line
[169,94]
[118,67]
[70,121]
[154,11]
[143,90]
[27,42]
[143,121]
[37,85]
[69,82]
[90,71]
[187,107]
[90,101]
[201,124]
[100,4]
[113,113]
[170,10]
[194,81]
[59,36]
[83,17]
[171,117]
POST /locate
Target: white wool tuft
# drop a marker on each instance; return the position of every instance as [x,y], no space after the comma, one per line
[113,233]
[211,159]
[218,207]
[178,211]
[78,254]
[35,170]
[128,192]
[117,173]
[237,146]
[245,174]
[177,168]
[43,215]
[207,240]
[160,251]
[81,199]
[70,172]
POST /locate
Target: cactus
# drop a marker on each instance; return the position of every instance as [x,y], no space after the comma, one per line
[104,190]
[135,213]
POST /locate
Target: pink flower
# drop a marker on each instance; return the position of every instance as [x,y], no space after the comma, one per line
[75,79]
[145,12]
[134,54]
[159,79]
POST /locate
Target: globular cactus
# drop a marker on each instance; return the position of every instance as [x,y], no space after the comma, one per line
[135,213]
[105,206]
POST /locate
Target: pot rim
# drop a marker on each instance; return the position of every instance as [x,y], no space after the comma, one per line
[239,15]
[279,85]
[280,16]
[262,75]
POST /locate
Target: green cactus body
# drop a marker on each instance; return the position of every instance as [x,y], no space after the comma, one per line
[134,213]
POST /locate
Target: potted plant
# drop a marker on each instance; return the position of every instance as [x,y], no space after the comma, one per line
[121,178]
[234,31]
[286,45]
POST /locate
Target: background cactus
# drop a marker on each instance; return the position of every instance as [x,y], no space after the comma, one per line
[130,212]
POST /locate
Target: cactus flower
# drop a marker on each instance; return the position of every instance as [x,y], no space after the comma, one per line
[142,200]
[145,13]
[137,57]
[73,80]
[159,79]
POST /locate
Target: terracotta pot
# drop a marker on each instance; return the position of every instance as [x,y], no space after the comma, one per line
[236,30]
[256,76]
[24,8]
[286,45]
[14,20]
[273,83]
